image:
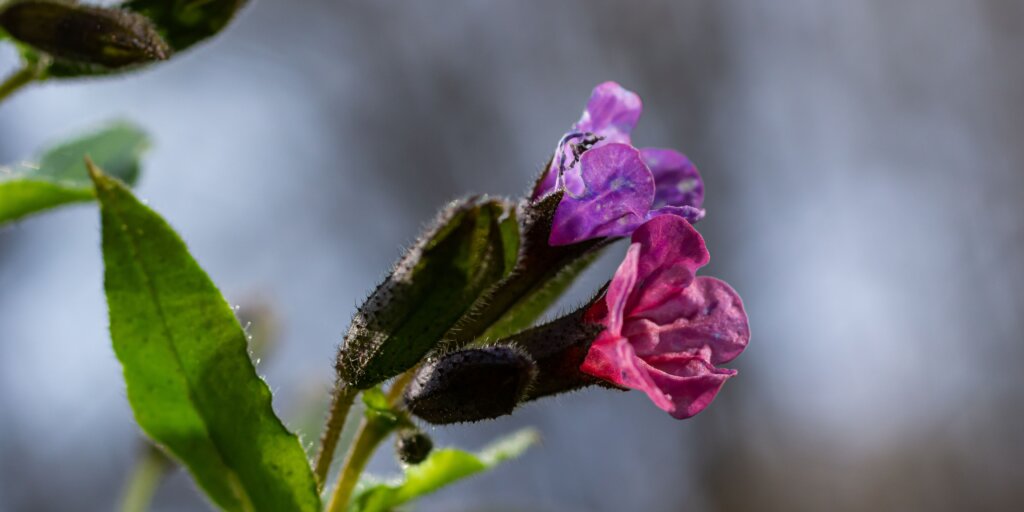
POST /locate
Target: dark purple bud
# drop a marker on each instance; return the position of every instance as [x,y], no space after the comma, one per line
[412,445]
[470,385]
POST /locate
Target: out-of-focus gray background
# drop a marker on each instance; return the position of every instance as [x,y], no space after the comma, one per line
[863,162]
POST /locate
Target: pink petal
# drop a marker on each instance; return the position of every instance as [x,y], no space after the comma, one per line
[688,383]
[611,358]
[709,313]
[671,252]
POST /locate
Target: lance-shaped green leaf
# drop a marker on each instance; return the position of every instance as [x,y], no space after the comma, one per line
[184,23]
[189,378]
[60,177]
[442,467]
[433,285]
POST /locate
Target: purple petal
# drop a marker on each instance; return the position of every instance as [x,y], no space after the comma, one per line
[677,180]
[612,112]
[689,213]
[616,195]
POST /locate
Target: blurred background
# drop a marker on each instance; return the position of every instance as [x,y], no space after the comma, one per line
[865,178]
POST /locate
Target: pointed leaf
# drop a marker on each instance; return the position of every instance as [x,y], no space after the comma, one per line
[190,381]
[60,177]
[442,467]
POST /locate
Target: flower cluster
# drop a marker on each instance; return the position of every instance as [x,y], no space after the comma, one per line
[611,187]
[656,327]
[664,328]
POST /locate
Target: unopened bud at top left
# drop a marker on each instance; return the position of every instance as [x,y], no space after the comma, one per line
[81,34]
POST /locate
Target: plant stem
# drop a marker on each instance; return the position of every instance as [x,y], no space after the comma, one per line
[145,477]
[341,403]
[372,431]
[17,80]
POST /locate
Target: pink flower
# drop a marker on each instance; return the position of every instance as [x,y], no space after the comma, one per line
[665,328]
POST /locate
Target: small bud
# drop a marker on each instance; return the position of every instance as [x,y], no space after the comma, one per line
[111,38]
[430,289]
[470,385]
[412,446]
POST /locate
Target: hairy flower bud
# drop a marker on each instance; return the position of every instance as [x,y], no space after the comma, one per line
[430,289]
[470,385]
[412,445]
[111,38]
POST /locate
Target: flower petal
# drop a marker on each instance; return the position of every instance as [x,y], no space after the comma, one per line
[689,213]
[612,112]
[687,382]
[708,314]
[671,252]
[617,193]
[677,181]
[611,358]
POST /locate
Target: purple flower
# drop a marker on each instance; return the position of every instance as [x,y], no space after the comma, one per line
[610,187]
[665,328]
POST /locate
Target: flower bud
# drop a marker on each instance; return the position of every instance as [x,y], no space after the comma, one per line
[430,289]
[470,385]
[412,445]
[111,38]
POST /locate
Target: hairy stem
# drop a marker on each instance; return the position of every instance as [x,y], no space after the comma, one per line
[145,477]
[372,431]
[341,402]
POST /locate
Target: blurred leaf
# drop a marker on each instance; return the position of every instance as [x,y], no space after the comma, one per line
[190,381]
[184,23]
[442,467]
[431,287]
[61,176]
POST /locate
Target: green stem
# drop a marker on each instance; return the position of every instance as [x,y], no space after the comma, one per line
[341,403]
[145,477]
[17,80]
[372,431]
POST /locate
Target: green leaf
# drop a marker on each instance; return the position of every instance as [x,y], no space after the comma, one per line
[441,468]
[189,378]
[60,177]
[432,286]
[184,23]
[378,408]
